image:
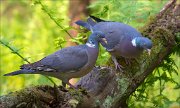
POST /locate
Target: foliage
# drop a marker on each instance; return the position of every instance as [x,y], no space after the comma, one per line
[13,49]
[134,13]
[27,27]
[16,51]
[154,91]
[52,16]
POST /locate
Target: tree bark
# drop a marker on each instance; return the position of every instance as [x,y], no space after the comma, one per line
[105,86]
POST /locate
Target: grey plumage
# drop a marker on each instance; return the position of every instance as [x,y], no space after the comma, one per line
[67,63]
[122,39]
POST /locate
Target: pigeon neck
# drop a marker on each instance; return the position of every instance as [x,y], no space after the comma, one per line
[138,43]
[92,43]
[134,42]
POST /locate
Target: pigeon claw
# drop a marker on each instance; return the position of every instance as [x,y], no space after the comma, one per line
[118,66]
[72,86]
[128,61]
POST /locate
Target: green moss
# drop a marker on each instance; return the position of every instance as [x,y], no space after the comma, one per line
[145,29]
[97,103]
[76,94]
[122,84]
[108,102]
[73,103]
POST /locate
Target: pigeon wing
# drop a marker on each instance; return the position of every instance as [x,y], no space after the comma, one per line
[67,59]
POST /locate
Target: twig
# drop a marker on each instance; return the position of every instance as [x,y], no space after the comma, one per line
[49,14]
[14,51]
[17,53]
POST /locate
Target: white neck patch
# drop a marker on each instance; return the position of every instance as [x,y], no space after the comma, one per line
[134,42]
[90,45]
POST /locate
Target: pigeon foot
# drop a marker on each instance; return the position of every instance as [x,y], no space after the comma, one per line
[128,61]
[70,85]
[118,66]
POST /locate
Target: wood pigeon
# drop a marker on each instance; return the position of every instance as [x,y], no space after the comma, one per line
[122,39]
[67,63]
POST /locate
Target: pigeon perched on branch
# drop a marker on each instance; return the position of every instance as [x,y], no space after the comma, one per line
[67,63]
[122,39]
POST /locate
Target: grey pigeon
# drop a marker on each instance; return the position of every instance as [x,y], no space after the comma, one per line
[122,39]
[67,63]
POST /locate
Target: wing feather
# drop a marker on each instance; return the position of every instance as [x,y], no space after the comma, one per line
[67,59]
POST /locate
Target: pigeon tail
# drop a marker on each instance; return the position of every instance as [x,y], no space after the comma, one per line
[91,22]
[97,19]
[84,24]
[23,71]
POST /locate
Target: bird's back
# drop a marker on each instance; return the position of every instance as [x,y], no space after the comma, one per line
[120,30]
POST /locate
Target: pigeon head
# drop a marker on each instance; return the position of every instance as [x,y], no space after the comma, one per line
[97,35]
[142,43]
[95,38]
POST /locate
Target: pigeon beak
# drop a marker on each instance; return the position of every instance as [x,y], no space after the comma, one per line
[149,51]
[104,39]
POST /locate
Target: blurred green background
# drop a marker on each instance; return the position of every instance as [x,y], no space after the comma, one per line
[30,31]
